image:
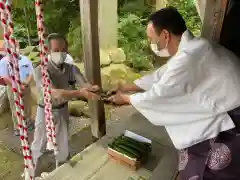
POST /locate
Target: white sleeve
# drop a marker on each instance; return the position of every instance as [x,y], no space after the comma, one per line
[147,81]
[69,59]
[4,71]
[31,69]
[174,83]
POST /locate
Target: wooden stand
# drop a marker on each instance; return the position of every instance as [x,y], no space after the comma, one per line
[89,24]
[124,160]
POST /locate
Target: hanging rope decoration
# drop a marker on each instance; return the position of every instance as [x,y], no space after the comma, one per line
[10,48]
[50,128]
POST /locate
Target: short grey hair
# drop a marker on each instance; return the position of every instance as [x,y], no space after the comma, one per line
[56,36]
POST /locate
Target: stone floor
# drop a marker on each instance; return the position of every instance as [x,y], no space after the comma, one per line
[94,164]
[82,167]
[80,137]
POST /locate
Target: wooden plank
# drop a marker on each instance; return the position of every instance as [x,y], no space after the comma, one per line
[213,19]
[201,6]
[90,38]
[160,4]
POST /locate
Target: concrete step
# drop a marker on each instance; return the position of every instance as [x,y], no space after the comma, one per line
[93,162]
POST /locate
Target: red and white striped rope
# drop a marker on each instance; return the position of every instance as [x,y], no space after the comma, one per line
[50,128]
[10,48]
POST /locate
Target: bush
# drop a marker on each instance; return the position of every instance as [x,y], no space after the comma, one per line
[189,12]
[132,38]
[75,39]
[132,26]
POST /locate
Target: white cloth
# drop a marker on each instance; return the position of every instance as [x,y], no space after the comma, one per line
[4,105]
[25,67]
[193,93]
[68,59]
[61,121]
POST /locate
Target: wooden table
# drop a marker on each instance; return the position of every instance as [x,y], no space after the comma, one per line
[94,163]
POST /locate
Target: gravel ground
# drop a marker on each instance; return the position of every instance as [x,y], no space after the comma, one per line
[80,137]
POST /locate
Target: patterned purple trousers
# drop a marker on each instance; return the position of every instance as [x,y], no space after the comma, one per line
[214,159]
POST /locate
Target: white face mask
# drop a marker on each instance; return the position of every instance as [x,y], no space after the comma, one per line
[58,57]
[162,53]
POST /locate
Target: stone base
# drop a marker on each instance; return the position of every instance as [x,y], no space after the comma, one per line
[164,156]
[111,56]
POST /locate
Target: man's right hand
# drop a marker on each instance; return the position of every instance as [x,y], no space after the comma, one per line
[88,94]
[124,88]
[119,87]
[7,81]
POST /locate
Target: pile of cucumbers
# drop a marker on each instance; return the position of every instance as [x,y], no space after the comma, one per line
[131,147]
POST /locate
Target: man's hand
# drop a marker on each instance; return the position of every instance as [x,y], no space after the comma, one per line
[68,94]
[89,94]
[116,89]
[120,99]
[8,81]
[57,93]
[93,88]
[23,87]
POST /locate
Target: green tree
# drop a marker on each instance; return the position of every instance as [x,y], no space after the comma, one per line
[75,38]
[25,24]
[58,15]
[188,10]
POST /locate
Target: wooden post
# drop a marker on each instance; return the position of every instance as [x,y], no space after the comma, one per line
[108,24]
[89,24]
[213,19]
[160,4]
[201,6]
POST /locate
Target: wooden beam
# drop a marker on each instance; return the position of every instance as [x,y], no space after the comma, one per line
[213,19]
[90,38]
[201,6]
[160,4]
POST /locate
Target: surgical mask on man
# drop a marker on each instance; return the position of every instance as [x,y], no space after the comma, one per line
[162,53]
[58,57]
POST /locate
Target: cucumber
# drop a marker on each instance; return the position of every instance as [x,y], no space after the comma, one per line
[132,146]
[124,151]
[118,138]
[147,144]
[136,154]
[110,145]
[135,142]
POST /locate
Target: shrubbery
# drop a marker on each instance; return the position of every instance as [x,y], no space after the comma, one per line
[131,31]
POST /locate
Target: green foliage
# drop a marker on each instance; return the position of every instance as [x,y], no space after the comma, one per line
[63,16]
[58,15]
[137,7]
[132,38]
[75,39]
[23,23]
[188,10]
[132,25]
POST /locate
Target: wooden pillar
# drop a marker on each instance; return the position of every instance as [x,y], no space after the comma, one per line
[108,24]
[213,19]
[160,4]
[89,25]
[201,6]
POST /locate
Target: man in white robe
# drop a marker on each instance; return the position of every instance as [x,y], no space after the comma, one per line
[195,96]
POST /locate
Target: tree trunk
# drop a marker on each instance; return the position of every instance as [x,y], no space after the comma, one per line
[27,26]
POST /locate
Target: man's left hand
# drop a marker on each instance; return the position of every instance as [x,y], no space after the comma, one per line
[93,88]
[120,99]
[23,87]
[57,93]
